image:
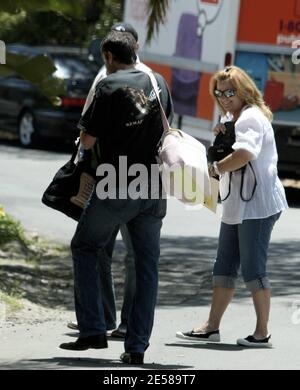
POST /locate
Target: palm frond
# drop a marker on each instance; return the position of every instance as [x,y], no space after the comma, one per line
[157,10]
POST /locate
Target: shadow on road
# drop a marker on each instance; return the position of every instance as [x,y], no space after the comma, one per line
[57,363]
[185,274]
[209,346]
[186,266]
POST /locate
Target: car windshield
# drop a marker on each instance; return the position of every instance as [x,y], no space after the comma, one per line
[70,67]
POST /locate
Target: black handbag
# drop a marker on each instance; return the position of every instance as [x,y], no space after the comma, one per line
[220,149]
[71,186]
[222,145]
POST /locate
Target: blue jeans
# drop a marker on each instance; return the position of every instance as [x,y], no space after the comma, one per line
[244,245]
[107,282]
[130,279]
[95,228]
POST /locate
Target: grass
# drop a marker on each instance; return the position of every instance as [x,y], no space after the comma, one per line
[20,252]
[32,249]
[11,302]
[10,230]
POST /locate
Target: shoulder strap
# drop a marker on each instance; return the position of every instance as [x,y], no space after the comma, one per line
[155,87]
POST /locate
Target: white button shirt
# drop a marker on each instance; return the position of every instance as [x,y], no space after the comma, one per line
[255,134]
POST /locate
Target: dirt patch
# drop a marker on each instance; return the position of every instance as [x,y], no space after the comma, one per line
[35,282]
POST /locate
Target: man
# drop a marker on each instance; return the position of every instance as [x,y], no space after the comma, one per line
[122,27]
[125,118]
[106,274]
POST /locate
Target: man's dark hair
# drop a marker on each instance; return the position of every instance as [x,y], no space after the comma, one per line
[122,45]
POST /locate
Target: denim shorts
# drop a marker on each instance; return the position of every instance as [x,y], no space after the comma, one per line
[244,245]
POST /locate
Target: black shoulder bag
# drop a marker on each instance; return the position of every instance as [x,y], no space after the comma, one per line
[221,148]
[72,185]
[222,145]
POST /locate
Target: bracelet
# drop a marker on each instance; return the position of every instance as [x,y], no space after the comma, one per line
[215,165]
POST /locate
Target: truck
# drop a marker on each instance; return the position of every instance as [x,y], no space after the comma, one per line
[199,37]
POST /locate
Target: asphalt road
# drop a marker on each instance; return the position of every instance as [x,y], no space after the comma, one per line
[188,246]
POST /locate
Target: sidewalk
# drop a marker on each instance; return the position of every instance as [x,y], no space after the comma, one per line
[37,347]
[183,302]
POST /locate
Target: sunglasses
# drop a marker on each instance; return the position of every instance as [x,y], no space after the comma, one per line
[227,93]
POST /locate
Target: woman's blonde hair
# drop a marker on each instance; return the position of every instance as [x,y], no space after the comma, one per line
[244,86]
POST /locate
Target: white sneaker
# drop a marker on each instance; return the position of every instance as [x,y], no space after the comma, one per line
[251,341]
[213,336]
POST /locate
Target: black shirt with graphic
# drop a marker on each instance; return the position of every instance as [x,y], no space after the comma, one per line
[125,117]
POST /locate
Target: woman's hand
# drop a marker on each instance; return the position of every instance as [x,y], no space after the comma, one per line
[219,128]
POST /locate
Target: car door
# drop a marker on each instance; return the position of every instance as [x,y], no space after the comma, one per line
[13,92]
[288,147]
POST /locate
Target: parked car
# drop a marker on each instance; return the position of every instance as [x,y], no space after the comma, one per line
[288,147]
[27,113]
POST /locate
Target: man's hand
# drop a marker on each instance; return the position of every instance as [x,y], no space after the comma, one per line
[87,140]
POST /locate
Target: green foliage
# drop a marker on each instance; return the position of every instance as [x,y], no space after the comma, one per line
[10,230]
[58,22]
[68,21]
[11,301]
[43,27]
[68,7]
[8,22]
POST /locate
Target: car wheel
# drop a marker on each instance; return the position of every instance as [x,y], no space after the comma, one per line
[27,133]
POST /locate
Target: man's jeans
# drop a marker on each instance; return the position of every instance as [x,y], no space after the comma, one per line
[107,281]
[130,279]
[95,228]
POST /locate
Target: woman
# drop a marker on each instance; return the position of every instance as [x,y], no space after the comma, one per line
[253,199]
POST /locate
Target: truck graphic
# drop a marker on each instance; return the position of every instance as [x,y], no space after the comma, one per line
[202,36]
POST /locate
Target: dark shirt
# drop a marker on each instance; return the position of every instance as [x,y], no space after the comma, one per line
[126,118]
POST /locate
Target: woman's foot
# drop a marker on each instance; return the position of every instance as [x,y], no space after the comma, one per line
[205,328]
[255,341]
[203,333]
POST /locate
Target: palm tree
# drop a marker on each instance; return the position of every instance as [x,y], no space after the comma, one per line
[157,10]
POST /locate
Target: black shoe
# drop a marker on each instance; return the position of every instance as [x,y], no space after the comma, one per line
[83,343]
[251,341]
[213,336]
[132,358]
